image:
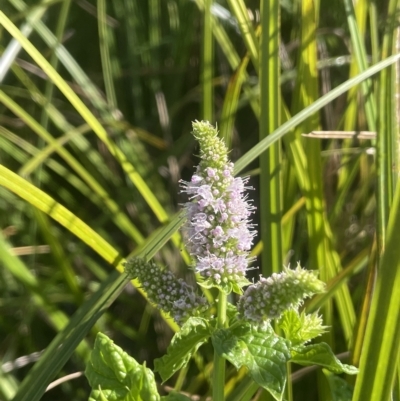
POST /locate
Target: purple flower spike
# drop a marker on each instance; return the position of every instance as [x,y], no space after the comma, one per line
[218,233]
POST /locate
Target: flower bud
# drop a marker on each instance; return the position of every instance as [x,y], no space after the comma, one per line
[168,293]
[270,297]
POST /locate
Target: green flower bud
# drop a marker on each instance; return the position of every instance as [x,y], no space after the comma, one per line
[270,297]
[168,293]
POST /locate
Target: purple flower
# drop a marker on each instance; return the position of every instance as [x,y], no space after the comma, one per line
[218,233]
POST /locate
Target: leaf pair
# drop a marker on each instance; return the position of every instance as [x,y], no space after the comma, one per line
[115,376]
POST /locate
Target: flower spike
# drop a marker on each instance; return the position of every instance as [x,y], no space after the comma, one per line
[168,293]
[270,297]
[219,234]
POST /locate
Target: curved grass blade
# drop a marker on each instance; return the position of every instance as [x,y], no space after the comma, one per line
[92,121]
[48,205]
[305,113]
[119,216]
[64,344]
[379,356]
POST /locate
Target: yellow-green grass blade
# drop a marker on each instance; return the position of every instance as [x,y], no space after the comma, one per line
[270,161]
[90,119]
[347,173]
[306,92]
[381,349]
[45,153]
[231,101]
[92,93]
[360,55]
[387,139]
[159,237]
[231,55]
[255,152]
[207,64]
[239,10]
[59,213]
[19,149]
[60,121]
[296,155]
[119,216]
[37,198]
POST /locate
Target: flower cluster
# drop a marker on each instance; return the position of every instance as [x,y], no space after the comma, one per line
[219,234]
[270,297]
[168,293]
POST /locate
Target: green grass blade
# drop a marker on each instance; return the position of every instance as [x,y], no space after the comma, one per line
[309,110]
[270,161]
[231,101]
[387,140]
[120,217]
[361,57]
[88,117]
[207,67]
[106,61]
[381,349]
[59,213]
[239,10]
[64,344]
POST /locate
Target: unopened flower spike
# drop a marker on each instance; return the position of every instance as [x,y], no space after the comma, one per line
[270,297]
[218,232]
[168,293]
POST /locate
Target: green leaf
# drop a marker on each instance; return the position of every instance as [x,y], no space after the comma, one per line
[341,390]
[98,395]
[115,376]
[194,333]
[260,350]
[300,328]
[175,397]
[322,355]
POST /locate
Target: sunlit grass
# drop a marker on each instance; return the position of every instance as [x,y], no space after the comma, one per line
[96,104]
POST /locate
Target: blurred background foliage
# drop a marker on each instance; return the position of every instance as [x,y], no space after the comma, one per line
[144,70]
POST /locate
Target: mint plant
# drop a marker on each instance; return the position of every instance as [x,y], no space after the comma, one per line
[219,235]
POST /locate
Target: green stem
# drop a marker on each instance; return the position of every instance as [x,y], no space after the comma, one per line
[219,362]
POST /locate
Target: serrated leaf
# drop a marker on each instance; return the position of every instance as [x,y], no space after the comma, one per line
[260,350]
[116,376]
[175,397]
[300,328]
[322,355]
[341,390]
[184,344]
